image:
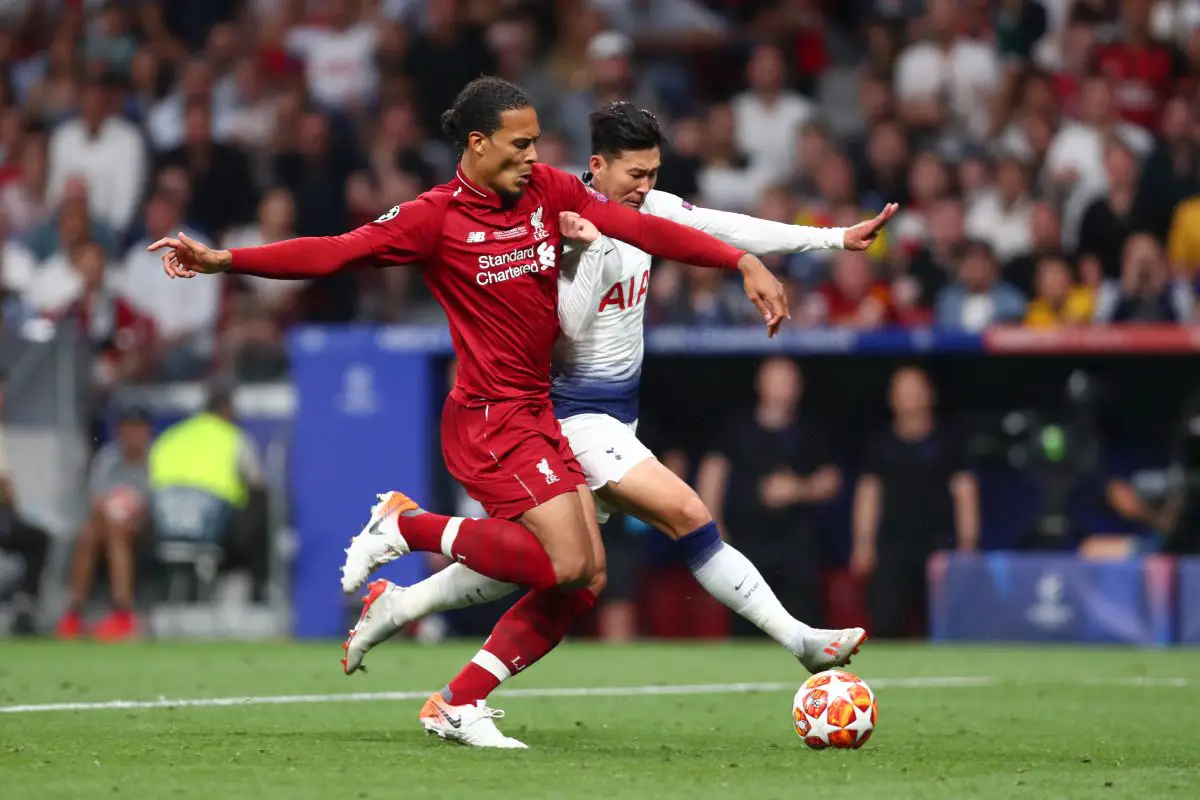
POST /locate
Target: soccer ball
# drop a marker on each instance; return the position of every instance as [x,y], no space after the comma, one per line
[834,709]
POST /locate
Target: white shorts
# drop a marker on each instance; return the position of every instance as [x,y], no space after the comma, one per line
[606,448]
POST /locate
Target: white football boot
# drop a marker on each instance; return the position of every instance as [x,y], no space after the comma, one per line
[378,543]
[471,725]
[826,649]
[379,621]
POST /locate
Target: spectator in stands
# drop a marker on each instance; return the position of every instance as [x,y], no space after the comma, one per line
[928,183]
[709,300]
[1171,173]
[339,57]
[19,537]
[935,264]
[445,54]
[184,312]
[104,150]
[1002,216]
[979,298]
[1145,71]
[1108,221]
[1059,299]
[769,473]
[916,494]
[121,337]
[222,190]
[276,223]
[1045,228]
[852,298]
[728,180]
[16,275]
[947,79]
[1075,166]
[23,196]
[1146,292]
[166,121]
[208,458]
[71,224]
[116,530]
[768,116]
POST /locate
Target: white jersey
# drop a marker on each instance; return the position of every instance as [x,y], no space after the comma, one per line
[602,302]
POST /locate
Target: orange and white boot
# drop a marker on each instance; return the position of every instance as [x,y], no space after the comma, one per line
[377,623]
[379,541]
[827,649]
[471,725]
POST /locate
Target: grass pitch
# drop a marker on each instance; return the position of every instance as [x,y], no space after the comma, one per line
[1031,722]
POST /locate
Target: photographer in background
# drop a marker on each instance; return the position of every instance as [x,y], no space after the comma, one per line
[20,538]
[1146,292]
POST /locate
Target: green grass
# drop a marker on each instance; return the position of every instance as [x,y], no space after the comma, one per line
[1054,722]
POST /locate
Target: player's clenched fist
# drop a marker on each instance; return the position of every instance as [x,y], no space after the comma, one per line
[185,257]
[573,226]
[765,292]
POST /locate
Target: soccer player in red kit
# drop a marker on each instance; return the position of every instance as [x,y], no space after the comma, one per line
[488,242]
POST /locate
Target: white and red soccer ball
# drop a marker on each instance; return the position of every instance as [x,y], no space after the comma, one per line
[834,709]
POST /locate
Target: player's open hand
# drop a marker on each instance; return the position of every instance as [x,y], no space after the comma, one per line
[573,226]
[186,258]
[765,292]
[864,234]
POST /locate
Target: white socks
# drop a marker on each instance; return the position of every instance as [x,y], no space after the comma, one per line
[456,586]
[721,569]
[730,577]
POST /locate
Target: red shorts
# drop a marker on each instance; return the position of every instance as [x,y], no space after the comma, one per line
[511,457]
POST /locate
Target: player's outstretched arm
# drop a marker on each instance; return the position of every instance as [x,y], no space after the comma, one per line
[395,238]
[765,237]
[667,239]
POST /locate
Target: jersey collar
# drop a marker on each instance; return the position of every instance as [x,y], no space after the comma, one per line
[473,193]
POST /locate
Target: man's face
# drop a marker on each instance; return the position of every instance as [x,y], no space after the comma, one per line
[506,158]
[134,437]
[1053,280]
[628,176]
[779,382]
[911,392]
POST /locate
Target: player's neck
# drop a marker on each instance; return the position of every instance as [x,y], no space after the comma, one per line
[470,170]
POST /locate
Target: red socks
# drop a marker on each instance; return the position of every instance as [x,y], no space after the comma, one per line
[529,630]
[505,551]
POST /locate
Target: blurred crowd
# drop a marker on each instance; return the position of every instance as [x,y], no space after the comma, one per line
[1046,153]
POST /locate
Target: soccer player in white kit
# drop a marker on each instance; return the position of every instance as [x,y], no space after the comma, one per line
[602,291]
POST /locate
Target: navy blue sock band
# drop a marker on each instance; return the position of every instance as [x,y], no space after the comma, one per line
[699,546]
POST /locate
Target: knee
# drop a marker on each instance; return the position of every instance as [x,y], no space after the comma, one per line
[686,513]
[574,569]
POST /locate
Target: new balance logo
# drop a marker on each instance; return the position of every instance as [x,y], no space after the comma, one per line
[543,467]
[475,237]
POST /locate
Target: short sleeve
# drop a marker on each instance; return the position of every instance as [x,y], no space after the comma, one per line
[958,459]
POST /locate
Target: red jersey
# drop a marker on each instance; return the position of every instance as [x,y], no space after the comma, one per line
[1142,80]
[493,269]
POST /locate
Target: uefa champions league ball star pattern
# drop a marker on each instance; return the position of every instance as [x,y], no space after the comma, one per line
[834,709]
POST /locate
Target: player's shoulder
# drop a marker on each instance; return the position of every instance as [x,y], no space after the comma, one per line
[660,202]
[429,204]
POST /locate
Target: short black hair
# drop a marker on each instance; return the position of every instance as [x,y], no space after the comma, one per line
[621,126]
[479,106]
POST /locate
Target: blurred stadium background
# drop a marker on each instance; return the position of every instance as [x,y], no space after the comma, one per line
[1006,388]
